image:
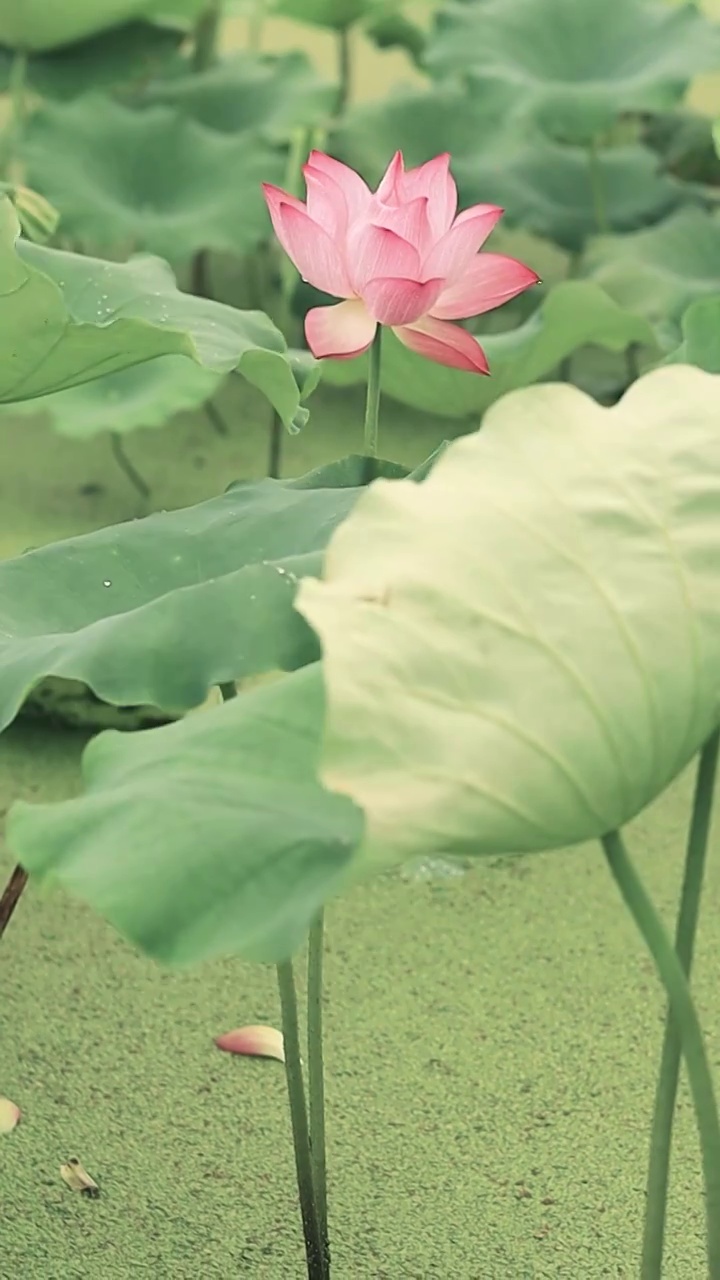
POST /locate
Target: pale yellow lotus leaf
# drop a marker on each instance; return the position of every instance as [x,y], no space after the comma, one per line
[523,650]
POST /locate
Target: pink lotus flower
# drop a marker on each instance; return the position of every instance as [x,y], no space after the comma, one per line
[399,256]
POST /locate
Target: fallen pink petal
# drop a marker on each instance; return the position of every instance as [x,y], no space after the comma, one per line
[9,1115]
[401,256]
[253,1042]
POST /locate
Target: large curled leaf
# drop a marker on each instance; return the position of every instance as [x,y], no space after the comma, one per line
[66,319]
[659,272]
[574,314]
[543,186]
[152,179]
[126,56]
[701,336]
[39,25]
[147,395]
[576,66]
[684,142]
[157,611]
[522,652]
[389,28]
[271,96]
[210,837]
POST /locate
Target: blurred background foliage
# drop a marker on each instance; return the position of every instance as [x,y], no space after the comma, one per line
[150,127]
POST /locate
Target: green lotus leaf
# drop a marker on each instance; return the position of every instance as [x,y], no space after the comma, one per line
[701,336]
[66,319]
[272,96]
[543,186]
[151,179]
[336,14]
[206,838]
[574,314]
[124,56]
[157,611]
[548,189]
[684,141]
[423,123]
[575,67]
[147,395]
[522,652]
[40,25]
[660,271]
[389,28]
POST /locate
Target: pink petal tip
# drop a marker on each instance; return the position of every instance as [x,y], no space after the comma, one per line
[9,1115]
[254,1042]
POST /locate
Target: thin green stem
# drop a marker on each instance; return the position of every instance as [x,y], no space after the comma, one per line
[686,929]
[215,418]
[256,22]
[300,143]
[207,31]
[686,1021]
[574,264]
[315,1254]
[275,447]
[205,42]
[128,467]
[11,895]
[14,128]
[316,1077]
[344,55]
[598,189]
[200,283]
[573,270]
[372,403]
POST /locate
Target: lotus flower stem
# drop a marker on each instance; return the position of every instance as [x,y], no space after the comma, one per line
[661,1134]
[11,895]
[316,1081]
[686,1021]
[372,403]
[317,1266]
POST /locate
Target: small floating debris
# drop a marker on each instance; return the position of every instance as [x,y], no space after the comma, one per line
[9,1115]
[78,1179]
[433,869]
